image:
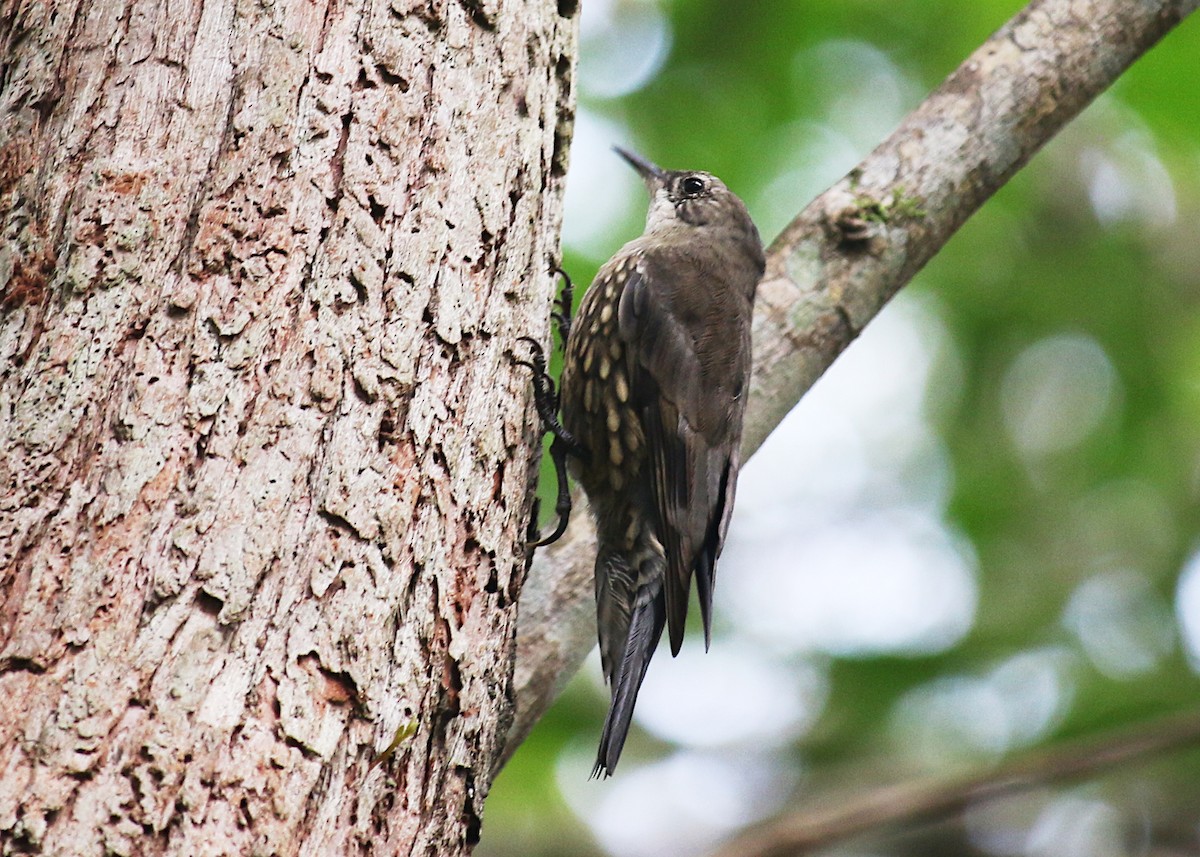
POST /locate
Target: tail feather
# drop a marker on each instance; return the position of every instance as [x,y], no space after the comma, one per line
[704,589]
[646,623]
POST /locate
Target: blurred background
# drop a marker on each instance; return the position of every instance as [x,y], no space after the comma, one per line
[978,536]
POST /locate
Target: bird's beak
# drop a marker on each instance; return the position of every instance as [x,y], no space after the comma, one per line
[650,172]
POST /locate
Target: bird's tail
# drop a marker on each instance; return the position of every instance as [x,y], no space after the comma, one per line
[631,613]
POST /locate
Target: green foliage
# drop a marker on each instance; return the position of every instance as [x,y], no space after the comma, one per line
[1092,250]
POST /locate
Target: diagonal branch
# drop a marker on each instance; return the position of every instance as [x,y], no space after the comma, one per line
[823,826]
[847,253]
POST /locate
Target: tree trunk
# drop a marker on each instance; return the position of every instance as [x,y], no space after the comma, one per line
[267,462]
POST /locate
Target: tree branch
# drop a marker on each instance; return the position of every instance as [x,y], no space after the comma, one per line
[928,801]
[847,253]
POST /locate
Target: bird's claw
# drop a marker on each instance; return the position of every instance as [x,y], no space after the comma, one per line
[545,398]
[562,306]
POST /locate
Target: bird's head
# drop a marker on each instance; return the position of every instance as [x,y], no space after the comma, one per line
[689,198]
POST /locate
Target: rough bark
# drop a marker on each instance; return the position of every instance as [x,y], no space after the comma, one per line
[266,461]
[850,250]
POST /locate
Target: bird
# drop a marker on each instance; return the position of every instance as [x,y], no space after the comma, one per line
[652,397]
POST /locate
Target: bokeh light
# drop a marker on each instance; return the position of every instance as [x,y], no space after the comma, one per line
[976,536]
[680,805]
[1056,393]
[1122,623]
[1187,609]
[1012,705]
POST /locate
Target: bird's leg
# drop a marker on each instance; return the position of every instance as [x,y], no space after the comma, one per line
[562,505]
[562,307]
[545,399]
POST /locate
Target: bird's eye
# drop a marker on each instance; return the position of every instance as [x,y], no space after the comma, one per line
[693,185]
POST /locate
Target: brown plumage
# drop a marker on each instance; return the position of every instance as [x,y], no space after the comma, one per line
[653,390]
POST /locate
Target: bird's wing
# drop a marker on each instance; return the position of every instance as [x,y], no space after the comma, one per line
[689,391]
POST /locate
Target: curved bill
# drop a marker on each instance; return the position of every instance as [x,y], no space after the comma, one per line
[648,170]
